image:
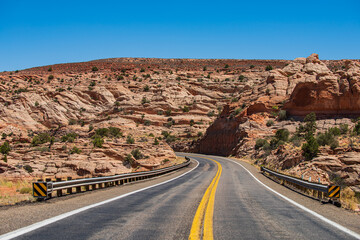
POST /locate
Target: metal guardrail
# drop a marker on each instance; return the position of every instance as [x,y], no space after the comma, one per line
[43,190]
[322,190]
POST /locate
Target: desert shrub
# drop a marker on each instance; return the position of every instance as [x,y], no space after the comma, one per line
[211,113]
[137,154]
[72,121]
[328,138]
[91,127]
[310,148]
[40,139]
[252,66]
[144,100]
[5,148]
[296,140]
[75,150]
[357,128]
[344,128]
[237,111]
[185,109]
[260,143]
[129,159]
[269,123]
[94,69]
[146,88]
[199,134]
[282,135]
[28,168]
[227,66]
[282,115]
[70,137]
[36,104]
[50,77]
[168,112]
[25,190]
[156,141]
[241,77]
[98,141]
[142,70]
[130,140]
[147,122]
[268,68]
[334,131]
[49,69]
[192,122]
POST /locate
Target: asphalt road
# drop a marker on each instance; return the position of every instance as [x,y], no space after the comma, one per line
[244,209]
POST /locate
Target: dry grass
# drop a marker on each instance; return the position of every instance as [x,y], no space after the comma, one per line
[349,200]
[15,191]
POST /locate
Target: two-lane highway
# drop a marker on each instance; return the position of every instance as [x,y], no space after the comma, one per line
[242,208]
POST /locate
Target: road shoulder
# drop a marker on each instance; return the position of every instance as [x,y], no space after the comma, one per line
[341,216]
[18,216]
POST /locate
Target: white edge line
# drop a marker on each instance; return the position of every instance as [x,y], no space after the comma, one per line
[334,224]
[43,223]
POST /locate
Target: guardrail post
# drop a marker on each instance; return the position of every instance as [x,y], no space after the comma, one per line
[78,189]
[58,192]
[69,190]
[48,180]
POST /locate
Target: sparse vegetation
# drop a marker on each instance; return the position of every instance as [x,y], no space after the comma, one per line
[268,68]
[41,138]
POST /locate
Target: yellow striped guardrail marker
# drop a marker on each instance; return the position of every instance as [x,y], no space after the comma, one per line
[334,192]
[204,213]
[40,189]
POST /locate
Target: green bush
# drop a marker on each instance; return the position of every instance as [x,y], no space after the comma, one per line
[129,159]
[41,138]
[168,112]
[269,123]
[98,142]
[252,66]
[156,141]
[211,113]
[146,88]
[5,148]
[199,134]
[94,69]
[282,115]
[70,137]
[137,154]
[50,77]
[282,135]
[260,143]
[344,128]
[28,168]
[241,78]
[357,128]
[185,109]
[334,131]
[310,148]
[75,150]
[130,140]
[268,68]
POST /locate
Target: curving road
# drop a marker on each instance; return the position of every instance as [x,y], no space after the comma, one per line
[243,209]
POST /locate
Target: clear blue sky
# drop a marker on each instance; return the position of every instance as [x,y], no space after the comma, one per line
[35,33]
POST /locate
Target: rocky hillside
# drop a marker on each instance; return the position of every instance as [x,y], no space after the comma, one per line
[115,115]
[268,123]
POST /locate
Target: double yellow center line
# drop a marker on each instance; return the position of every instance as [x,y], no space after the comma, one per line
[202,226]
